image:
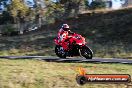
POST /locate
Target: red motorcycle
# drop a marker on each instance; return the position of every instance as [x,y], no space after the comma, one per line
[76,47]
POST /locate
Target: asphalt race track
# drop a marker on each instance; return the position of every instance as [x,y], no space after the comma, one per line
[74,60]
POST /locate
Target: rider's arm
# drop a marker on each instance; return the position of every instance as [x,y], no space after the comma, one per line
[70,32]
[60,32]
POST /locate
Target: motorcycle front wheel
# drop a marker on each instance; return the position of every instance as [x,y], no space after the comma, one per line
[60,51]
[86,52]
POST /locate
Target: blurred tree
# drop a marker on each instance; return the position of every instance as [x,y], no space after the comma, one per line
[70,5]
[6,17]
[63,8]
[54,10]
[86,3]
[18,9]
[97,5]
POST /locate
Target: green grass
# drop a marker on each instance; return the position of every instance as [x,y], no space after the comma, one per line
[39,74]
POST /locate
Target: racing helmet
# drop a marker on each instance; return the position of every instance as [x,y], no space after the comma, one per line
[65,27]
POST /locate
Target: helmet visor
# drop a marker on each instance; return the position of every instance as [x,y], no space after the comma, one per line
[65,29]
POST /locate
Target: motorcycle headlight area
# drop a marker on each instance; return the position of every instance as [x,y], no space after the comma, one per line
[80,43]
[78,37]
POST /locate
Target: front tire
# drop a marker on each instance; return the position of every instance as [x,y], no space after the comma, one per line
[86,52]
[60,51]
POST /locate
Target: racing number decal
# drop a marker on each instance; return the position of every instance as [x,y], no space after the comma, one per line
[63,35]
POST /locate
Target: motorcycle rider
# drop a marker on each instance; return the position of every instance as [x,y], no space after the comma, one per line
[63,34]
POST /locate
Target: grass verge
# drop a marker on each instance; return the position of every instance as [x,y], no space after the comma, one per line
[39,74]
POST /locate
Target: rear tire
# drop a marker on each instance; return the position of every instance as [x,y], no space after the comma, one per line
[60,51]
[86,52]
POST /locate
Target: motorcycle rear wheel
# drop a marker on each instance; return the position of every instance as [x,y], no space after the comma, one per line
[60,51]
